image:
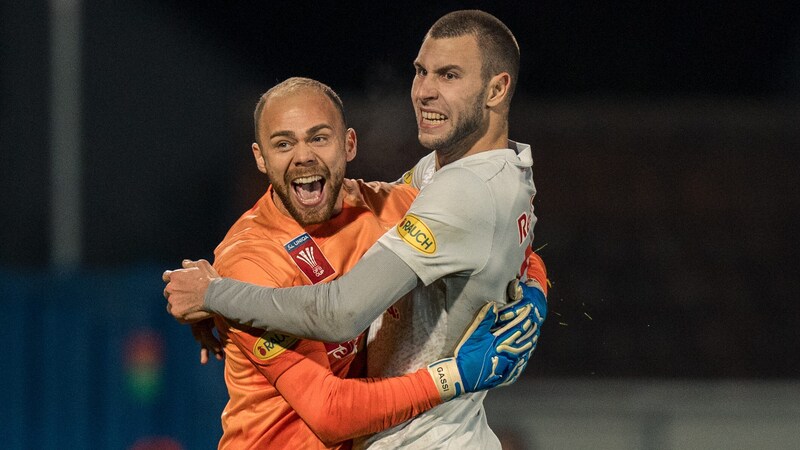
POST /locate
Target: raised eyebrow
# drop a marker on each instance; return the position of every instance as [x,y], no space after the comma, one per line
[317,128]
[282,133]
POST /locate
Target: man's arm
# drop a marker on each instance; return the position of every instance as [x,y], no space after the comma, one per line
[337,409]
[342,309]
[334,408]
[330,312]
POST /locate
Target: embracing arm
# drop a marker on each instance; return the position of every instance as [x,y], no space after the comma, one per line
[493,351]
[334,408]
[331,312]
[337,409]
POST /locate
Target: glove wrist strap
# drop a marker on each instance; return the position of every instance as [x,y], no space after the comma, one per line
[447,378]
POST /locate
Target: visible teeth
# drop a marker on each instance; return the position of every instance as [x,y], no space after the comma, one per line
[306,180]
[433,116]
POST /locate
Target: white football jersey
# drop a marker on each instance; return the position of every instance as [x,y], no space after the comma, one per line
[465,236]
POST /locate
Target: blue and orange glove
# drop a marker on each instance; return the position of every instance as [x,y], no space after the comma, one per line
[532,292]
[498,344]
[532,297]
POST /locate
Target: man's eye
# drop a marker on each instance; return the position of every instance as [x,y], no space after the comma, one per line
[283,145]
[450,76]
[421,72]
[319,139]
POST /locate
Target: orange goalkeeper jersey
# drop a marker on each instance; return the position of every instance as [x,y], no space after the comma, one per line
[288,393]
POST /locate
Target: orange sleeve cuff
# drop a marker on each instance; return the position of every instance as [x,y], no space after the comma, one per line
[537,271]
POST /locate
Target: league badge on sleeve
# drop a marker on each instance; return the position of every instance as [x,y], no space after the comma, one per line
[308,257]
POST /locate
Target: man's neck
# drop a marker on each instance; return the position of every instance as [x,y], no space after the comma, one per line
[484,143]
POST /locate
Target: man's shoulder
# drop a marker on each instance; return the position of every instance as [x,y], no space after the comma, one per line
[376,194]
[247,257]
[380,188]
[251,241]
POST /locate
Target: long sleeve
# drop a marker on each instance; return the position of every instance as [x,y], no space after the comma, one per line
[334,408]
[330,312]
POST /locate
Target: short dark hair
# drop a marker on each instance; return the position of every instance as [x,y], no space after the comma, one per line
[292,85]
[497,44]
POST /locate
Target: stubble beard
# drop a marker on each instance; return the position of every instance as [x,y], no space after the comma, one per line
[321,213]
[466,132]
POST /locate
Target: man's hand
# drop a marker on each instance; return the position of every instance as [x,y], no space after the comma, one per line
[490,354]
[203,333]
[186,289]
[529,295]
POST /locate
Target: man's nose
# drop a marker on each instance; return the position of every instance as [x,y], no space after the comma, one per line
[304,154]
[426,88]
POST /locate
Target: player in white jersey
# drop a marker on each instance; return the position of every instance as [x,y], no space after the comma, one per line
[466,234]
[461,237]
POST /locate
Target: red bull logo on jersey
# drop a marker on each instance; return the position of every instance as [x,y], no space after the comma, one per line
[308,257]
[523,226]
[525,223]
[412,230]
[270,345]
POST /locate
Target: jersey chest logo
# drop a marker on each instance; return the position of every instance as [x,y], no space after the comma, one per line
[308,257]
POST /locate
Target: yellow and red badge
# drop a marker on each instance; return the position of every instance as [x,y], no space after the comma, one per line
[270,345]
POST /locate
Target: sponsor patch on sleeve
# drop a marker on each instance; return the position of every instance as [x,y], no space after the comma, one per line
[270,345]
[408,176]
[414,231]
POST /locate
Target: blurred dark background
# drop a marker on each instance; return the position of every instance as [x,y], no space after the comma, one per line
[666,142]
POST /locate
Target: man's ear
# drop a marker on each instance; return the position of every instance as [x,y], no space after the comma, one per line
[498,89]
[260,163]
[351,144]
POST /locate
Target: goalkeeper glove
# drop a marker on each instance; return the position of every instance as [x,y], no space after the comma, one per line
[489,354]
[527,295]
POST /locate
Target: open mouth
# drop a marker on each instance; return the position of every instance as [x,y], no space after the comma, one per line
[309,190]
[432,118]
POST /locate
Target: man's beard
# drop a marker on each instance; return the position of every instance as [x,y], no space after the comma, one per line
[315,215]
[467,131]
